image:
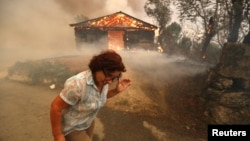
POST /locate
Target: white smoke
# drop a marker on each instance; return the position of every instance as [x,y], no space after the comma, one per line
[39,29]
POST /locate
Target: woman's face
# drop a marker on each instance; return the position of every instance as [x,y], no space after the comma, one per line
[105,77]
[111,76]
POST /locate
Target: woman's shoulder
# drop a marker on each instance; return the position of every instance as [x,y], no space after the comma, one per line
[79,77]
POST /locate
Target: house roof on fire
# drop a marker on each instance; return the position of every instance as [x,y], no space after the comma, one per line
[118,20]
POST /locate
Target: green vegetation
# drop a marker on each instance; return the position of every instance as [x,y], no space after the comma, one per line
[203,24]
[40,72]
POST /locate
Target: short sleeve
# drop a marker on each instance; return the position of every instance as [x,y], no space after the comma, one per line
[70,93]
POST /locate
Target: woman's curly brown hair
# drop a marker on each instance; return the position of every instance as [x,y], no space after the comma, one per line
[107,60]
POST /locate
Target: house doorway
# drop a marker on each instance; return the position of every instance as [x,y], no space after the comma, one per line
[115,40]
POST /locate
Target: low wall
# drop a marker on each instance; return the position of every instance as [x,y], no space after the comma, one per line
[227,94]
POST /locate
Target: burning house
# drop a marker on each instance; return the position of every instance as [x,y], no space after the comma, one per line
[116,31]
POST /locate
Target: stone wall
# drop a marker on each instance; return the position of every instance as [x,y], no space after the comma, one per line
[227,94]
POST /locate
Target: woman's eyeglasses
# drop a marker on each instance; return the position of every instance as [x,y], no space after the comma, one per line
[109,76]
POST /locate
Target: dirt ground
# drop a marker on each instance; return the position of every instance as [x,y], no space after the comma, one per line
[131,116]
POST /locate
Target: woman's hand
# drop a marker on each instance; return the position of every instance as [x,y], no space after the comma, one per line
[123,84]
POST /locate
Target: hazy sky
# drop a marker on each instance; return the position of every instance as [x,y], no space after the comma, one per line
[33,29]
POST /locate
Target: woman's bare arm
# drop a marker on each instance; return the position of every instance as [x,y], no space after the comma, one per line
[57,106]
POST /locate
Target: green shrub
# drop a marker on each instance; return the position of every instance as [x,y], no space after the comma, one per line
[41,72]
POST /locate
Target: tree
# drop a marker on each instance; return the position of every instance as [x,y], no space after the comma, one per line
[159,9]
[206,14]
[228,19]
[235,18]
[185,45]
[169,36]
[247,18]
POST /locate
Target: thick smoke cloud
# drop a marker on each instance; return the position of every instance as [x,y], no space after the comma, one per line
[33,30]
[97,8]
[39,29]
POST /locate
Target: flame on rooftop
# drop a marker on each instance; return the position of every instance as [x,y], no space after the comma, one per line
[119,20]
